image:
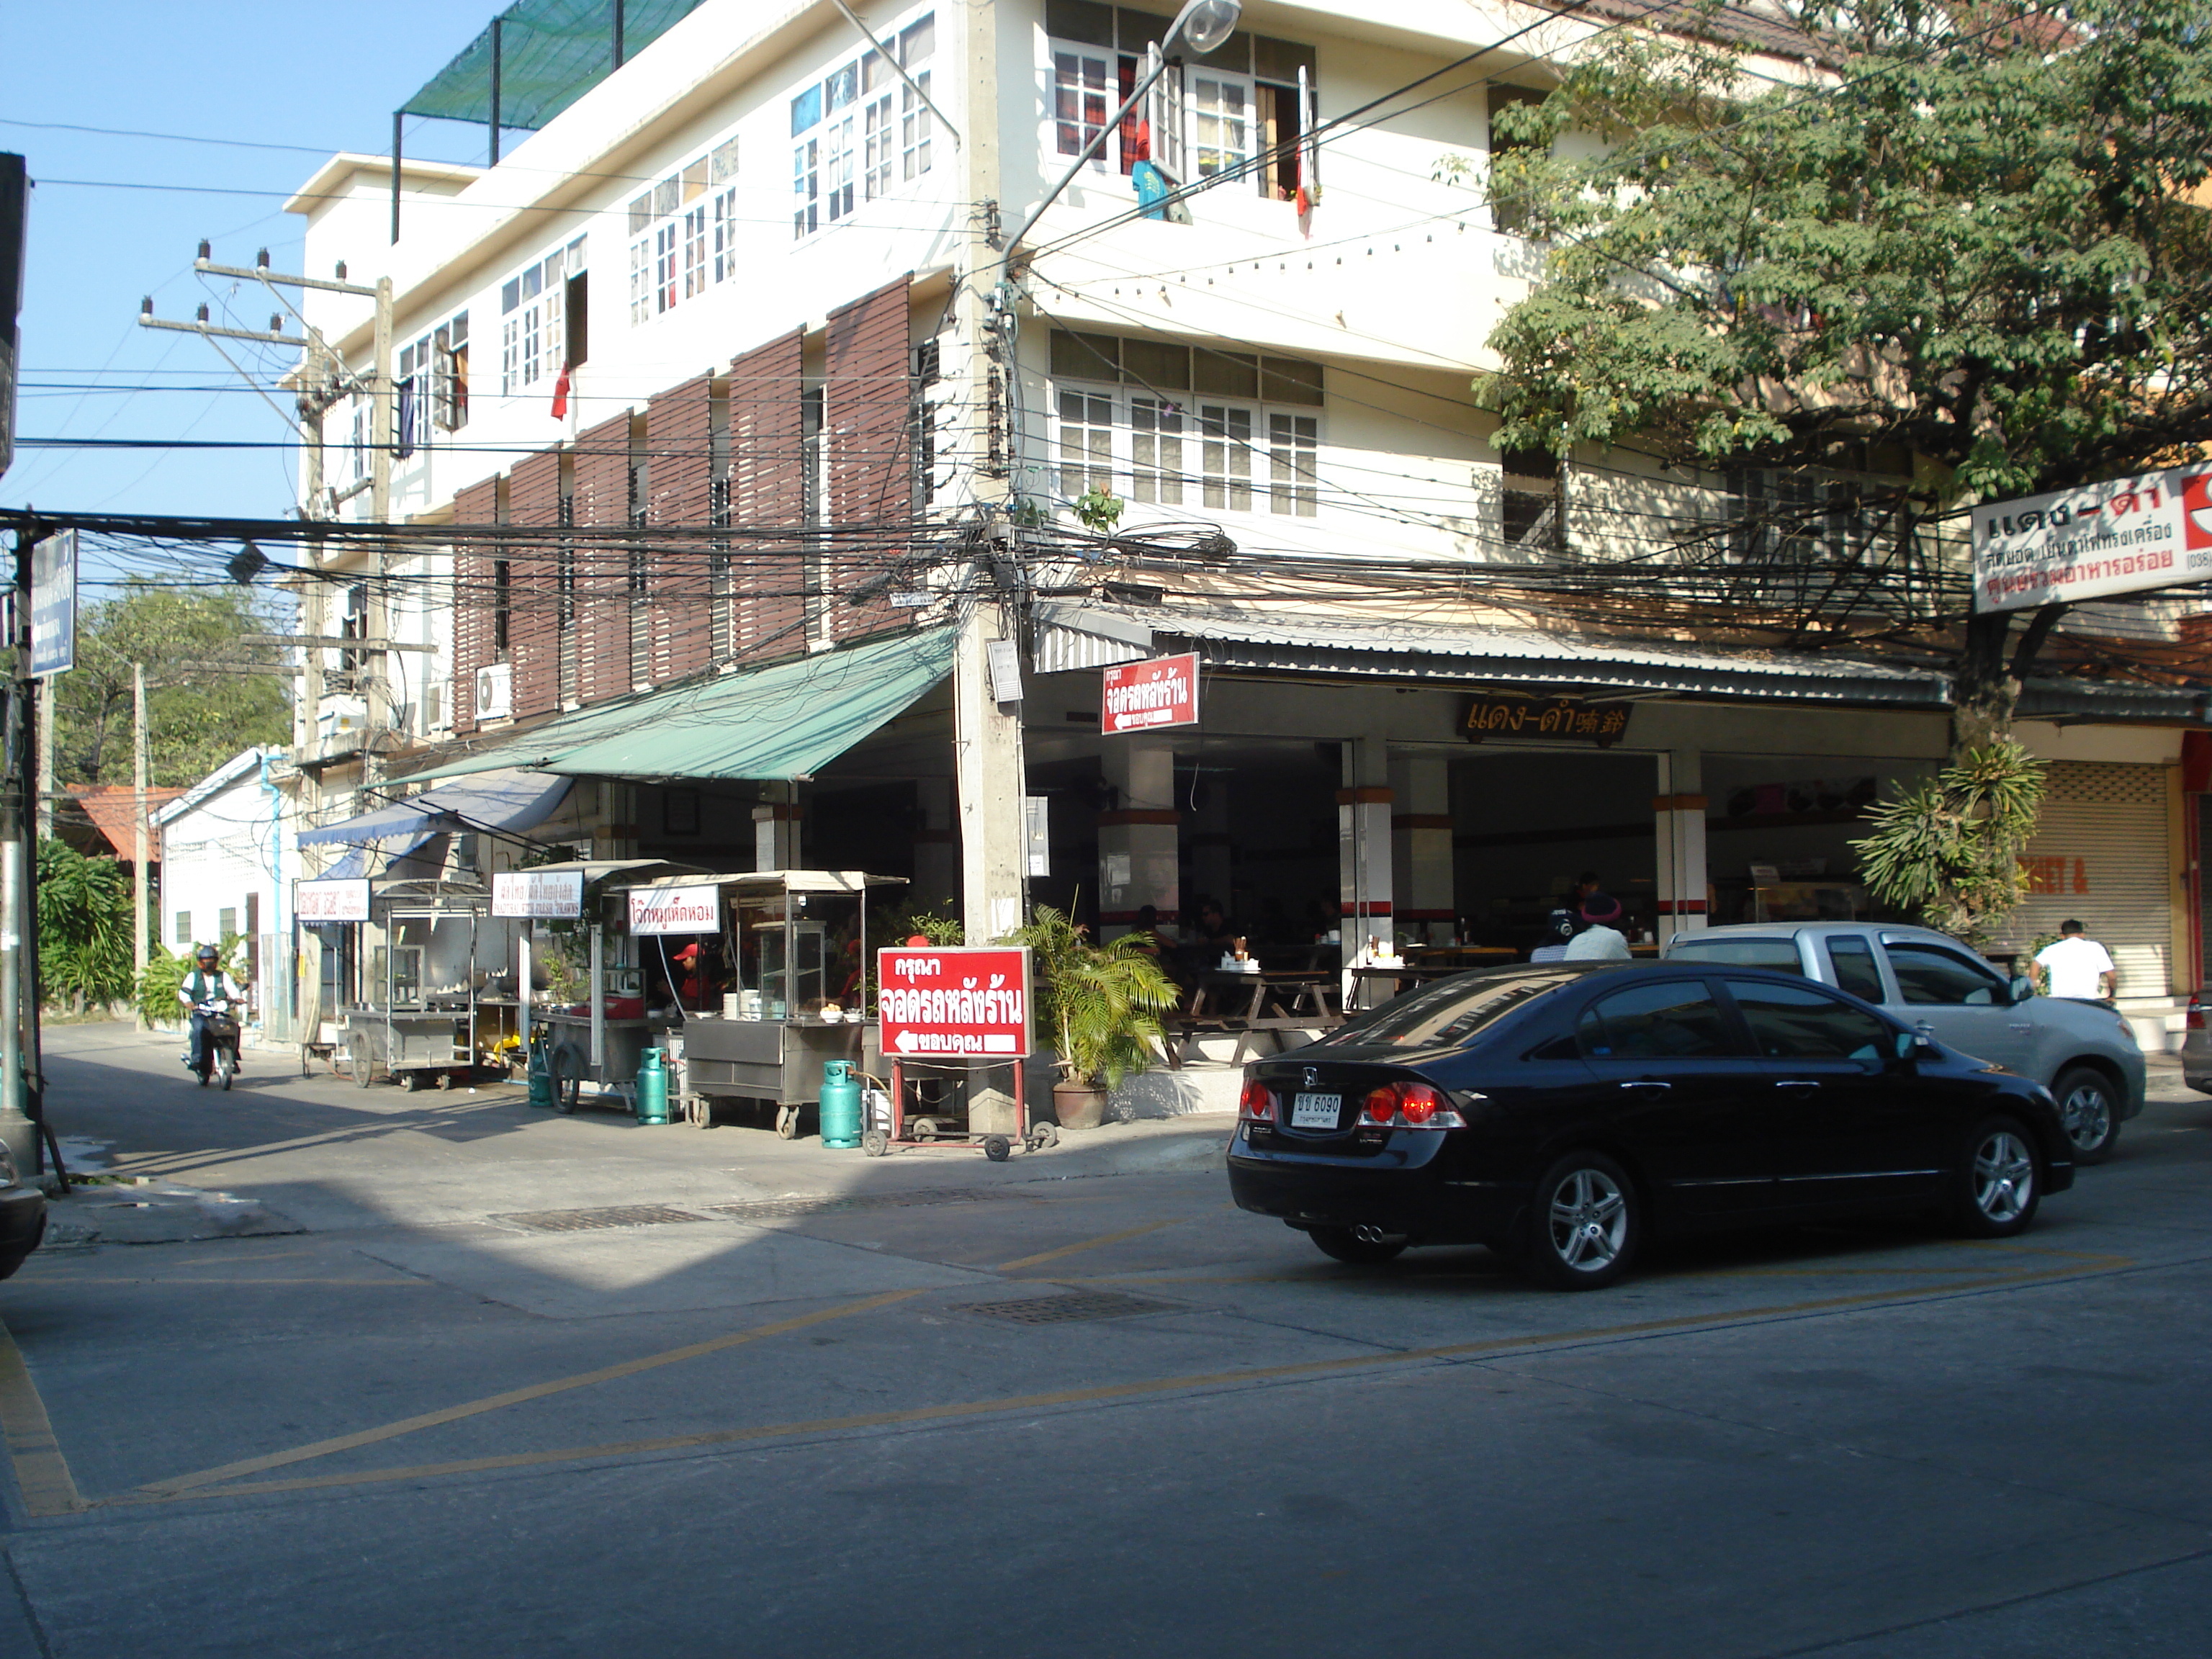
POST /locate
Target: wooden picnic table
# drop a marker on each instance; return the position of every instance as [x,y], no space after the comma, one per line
[1271,1001]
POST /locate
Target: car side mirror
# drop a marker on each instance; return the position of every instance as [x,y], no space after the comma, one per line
[2021,987]
[1911,1045]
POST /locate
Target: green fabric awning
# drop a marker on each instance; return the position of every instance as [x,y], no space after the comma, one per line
[551,52]
[786,720]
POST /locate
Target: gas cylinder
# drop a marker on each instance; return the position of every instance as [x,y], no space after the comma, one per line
[841,1104]
[541,1074]
[652,1087]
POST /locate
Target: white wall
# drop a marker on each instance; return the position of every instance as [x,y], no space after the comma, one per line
[216,854]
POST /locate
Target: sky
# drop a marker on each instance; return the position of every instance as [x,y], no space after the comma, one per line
[319,76]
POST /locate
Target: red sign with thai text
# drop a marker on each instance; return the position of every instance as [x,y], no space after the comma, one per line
[954,1002]
[1141,695]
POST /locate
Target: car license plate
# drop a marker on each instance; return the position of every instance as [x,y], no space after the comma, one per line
[1316,1111]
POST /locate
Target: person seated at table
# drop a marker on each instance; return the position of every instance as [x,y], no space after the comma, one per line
[1218,931]
[1559,930]
[1600,938]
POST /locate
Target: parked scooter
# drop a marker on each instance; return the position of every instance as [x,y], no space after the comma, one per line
[219,1050]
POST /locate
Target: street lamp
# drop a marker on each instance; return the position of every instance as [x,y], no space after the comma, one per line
[1201,24]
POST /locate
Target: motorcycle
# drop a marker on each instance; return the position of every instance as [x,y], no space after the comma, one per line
[218,1044]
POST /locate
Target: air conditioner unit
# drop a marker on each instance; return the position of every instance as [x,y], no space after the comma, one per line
[495,692]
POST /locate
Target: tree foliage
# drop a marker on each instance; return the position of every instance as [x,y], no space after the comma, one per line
[1975,241]
[84,926]
[1948,851]
[195,720]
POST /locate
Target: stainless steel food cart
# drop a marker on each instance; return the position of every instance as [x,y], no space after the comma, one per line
[793,944]
[421,979]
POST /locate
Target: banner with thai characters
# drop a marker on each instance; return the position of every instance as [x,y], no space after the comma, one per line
[2121,537]
[969,1002]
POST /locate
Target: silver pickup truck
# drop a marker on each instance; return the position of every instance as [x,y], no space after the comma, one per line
[2083,1051]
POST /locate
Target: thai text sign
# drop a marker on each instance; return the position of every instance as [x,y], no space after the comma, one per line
[675,909]
[1159,691]
[53,605]
[331,901]
[556,895]
[954,1002]
[2120,536]
[1555,719]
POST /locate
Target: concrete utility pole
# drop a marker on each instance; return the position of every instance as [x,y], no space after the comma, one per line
[988,764]
[45,695]
[17,1129]
[140,852]
[384,432]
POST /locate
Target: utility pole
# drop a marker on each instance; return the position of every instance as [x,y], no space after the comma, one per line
[47,760]
[17,1130]
[140,852]
[989,766]
[384,431]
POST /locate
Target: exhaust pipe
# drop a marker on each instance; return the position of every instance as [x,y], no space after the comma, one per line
[1369,1235]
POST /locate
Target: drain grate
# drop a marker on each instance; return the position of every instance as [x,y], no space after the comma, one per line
[1063,1309]
[581,1221]
[779,1209]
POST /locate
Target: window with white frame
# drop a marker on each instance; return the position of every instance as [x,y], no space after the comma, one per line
[1178,425]
[438,365]
[860,130]
[1241,111]
[683,234]
[533,319]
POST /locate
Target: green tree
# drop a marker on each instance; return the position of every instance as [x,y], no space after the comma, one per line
[1948,851]
[1975,247]
[84,927]
[196,719]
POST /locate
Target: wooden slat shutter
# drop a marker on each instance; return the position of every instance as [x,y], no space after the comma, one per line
[679,438]
[602,498]
[472,600]
[765,497]
[868,413]
[533,502]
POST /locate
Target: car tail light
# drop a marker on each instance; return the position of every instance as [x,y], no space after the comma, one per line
[1412,1105]
[1257,1102]
[2195,1016]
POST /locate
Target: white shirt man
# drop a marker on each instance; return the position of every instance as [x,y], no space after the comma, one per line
[1599,941]
[2076,966]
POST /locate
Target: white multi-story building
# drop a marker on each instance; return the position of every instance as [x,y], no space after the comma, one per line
[758,354]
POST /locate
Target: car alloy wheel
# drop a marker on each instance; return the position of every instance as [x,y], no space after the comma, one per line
[1586,1223]
[2001,1185]
[2085,1107]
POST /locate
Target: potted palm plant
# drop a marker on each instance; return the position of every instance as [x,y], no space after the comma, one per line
[1101,1003]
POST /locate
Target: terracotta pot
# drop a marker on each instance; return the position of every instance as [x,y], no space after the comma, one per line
[1078,1105]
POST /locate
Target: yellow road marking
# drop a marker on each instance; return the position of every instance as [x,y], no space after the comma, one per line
[1043,1256]
[170,1491]
[42,1474]
[183,1483]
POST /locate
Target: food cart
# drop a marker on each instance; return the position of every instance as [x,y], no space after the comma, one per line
[777,988]
[599,1040]
[426,1009]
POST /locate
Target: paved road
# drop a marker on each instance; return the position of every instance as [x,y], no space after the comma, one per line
[806,1403]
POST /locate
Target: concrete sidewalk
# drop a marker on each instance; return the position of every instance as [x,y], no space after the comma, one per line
[281,1152]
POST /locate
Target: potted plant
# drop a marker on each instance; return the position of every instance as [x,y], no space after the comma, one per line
[1101,1003]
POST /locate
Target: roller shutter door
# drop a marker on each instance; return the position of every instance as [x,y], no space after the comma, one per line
[2100,855]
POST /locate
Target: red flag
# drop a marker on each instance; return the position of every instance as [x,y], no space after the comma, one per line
[561,394]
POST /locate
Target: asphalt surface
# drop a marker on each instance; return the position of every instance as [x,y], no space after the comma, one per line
[435,1404]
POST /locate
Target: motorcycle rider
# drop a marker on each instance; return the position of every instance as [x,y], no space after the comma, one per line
[206,982]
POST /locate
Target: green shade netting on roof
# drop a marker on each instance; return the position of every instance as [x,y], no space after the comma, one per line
[551,52]
[787,721]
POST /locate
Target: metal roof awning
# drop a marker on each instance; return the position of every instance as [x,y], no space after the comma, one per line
[505,799]
[787,721]
[1444,653]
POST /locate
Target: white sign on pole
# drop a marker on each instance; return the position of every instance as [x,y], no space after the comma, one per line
[2123,536]
[1037,832]
[674,910]
[331,901]
[550,894]
[53,605]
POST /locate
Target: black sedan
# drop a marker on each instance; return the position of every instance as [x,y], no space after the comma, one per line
[1562,1113]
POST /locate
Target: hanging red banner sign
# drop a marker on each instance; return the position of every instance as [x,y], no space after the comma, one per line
[954,1002]
[1140,697]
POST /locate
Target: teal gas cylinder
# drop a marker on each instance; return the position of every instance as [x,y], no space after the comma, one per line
[652,1087]
[841,1104]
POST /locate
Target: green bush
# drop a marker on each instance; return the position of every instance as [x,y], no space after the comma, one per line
[84,926]
[1100,1005]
